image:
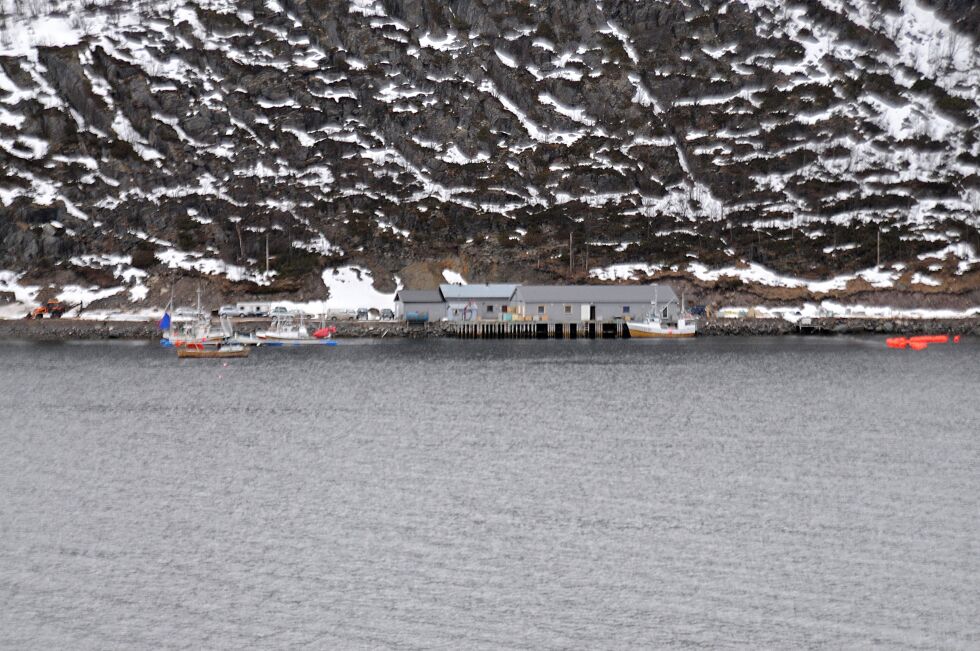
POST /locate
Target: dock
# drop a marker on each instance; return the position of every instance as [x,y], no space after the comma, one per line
[538,330]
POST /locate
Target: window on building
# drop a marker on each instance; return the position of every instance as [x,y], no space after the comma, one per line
[541,309]
[489,309]
[503,308]
[626,309]
[568,309]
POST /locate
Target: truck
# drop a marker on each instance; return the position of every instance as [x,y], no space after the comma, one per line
[52,309]
[246,310]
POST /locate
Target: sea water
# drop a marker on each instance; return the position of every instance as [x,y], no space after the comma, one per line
[763,493]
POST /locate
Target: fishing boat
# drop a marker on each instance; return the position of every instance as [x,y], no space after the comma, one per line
[284,328]
[659,328]
[180,332]
[657,325]
[284,331]
[198,351]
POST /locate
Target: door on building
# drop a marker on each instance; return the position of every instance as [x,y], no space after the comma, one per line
[585,312]
[592,313]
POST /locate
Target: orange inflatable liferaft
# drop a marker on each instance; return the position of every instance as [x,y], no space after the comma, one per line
[897,342]
[930,339]
[918,345]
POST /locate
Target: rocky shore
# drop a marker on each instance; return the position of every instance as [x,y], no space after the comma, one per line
[76,329]
[68,329]
[839,326]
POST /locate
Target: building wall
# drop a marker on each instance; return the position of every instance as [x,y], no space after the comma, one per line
[437,311]
[555,312]
[481,309]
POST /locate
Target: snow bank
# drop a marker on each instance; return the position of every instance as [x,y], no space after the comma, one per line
[833,309]
[352,288]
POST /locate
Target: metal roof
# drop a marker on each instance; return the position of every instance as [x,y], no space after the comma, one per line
[594,294]
[465,292]
[419,296]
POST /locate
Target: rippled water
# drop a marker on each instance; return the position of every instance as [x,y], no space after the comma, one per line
[593,494]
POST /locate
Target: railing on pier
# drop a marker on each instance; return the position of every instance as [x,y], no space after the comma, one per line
[539,330]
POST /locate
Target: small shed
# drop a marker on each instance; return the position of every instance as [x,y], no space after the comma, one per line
[579,303]
[488,302]
[420,305]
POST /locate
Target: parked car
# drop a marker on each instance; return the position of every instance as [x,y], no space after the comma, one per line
[362,314]
[230,310]
[185,311]
[279,310]
[387,315]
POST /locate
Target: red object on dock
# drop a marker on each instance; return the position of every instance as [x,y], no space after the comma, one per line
[918,345]
[897,342]
[325,333]
[930,339]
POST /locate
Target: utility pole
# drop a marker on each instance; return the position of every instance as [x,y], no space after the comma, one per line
[570,256]
[878,256]
[267,253]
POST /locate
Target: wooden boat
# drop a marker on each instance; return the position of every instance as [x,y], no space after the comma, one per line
[220,352]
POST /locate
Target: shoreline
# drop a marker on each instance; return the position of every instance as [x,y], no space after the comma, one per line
[87,329]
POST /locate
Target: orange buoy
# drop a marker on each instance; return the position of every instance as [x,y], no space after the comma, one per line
[918,345]
[897,342]
[930,339]
[956,339]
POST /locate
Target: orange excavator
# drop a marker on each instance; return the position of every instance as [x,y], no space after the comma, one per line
[53,309]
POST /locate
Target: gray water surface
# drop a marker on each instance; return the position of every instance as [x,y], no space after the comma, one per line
[777,493]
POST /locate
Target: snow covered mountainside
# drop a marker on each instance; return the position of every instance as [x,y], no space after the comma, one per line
[788,145]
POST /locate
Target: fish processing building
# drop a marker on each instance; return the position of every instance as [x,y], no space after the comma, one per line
[550,303]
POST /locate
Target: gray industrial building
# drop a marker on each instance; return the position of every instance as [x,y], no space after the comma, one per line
[420,305]
[580,303]
[552,303]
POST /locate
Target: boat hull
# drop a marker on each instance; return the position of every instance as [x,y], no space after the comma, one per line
[195,353]
[641,330]
[296,342]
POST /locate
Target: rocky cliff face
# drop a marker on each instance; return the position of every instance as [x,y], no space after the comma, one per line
[804,138]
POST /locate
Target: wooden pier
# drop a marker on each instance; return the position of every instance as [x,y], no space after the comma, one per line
[539,330]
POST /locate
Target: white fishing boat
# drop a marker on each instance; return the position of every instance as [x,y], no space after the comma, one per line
[657,325]
[285,331]
[658,328]
[284,328]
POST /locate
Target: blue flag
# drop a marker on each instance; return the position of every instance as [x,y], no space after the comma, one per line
[165,321]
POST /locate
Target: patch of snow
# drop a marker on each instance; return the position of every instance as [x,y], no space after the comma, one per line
[570,112]
[453,277]
[448,43]
[620,33]
[352,287]
[922,279]
[506,59]
[628,271]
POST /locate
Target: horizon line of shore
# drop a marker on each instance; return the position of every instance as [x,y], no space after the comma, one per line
[68,329]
